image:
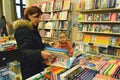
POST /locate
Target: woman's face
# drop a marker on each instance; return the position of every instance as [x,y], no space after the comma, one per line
[62,38]
[35,18]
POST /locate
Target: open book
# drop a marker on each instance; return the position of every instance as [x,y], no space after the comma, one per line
[60,57]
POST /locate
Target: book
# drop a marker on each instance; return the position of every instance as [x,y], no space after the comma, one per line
[66,73]
[66,4]
[43,6]
[103,4]
[117,4]
[113,17]
[63,15]
[116,29]
[102,40]
[58,5]
[97,4]
[86,38]
[60,57]
[113,40]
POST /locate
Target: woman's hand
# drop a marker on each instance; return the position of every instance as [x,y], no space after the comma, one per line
[51,44]
[46,54]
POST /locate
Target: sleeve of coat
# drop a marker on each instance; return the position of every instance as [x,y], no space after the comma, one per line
[24,41]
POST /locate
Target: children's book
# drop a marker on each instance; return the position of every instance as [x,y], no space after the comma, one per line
[63,15]
[113,41]
[118,41]
[113,17]
[43,6]
[66,5]
[117,4]
[97,4]
[60,57]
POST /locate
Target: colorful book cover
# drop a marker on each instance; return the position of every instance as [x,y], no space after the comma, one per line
[85,27]
[103,4]
[80,27]
[66,5]
[60,57]
[103,40]
[117,4]
[118,16]
[112,51]
[58,5]
[113,17]
[43,6]
[106,17]
[97,4]
[102,50]
[63,15]
[80,17]
[112,3]
[86,38]
[113,40]
[116,29]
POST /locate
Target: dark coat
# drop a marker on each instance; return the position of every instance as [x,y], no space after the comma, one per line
[30,44]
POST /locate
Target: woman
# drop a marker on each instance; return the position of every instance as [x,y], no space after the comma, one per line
[3,29]
[30,43]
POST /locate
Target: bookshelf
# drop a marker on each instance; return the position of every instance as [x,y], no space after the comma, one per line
[56,18]
[99,26]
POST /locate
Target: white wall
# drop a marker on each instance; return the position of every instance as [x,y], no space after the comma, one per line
[8,10]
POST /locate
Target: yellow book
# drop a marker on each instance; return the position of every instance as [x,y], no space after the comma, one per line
[66,5]
[103,40]
[86,38]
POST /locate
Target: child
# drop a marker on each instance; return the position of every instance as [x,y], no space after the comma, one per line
[64,44]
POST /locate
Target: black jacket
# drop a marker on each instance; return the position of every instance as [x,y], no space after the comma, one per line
[30,44]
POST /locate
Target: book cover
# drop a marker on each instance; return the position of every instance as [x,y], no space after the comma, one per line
[102,40]
[116,29]
[117,4]
[58,5]
[60,57]
[112,3]
[66,4]
[85,27]
[113,40]
[97,17]
[103,4]
[43,6]
[102,50]
[97,4]
[86,38]
[106,17]
[80,27]
[118,16]
[113,17]
[63,15]
[118,41]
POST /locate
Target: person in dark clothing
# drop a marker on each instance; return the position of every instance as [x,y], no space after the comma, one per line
[30,43]
[3,29]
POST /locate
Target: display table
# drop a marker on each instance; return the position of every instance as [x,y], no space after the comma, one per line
[8,56]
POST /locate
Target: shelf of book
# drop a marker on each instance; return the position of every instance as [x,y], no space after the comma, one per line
[52,20]
[106,33]
[57,10]
[56,18]
[99,10]
[101,22]
[99,26]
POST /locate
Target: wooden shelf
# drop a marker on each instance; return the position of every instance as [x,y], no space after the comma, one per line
[57,11]
[52,20]
[103,22]
[100,33]
[100,10]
